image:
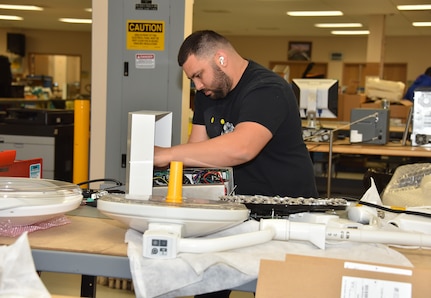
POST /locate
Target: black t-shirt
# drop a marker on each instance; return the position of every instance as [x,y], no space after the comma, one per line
[284,166]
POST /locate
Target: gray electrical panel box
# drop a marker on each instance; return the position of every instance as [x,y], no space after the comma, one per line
[142,70]
[371,127]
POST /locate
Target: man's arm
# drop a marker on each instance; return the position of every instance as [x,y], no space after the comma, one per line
[198,134]
[231,149]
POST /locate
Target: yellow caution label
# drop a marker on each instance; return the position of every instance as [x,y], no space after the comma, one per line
[145,35]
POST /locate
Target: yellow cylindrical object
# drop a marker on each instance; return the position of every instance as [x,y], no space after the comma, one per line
[175,184]
[81,140]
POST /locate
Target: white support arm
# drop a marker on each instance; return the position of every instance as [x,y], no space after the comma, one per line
[289,230]
[379,236]
[167,242]
[203,245]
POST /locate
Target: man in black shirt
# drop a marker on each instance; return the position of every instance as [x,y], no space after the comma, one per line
[245,116]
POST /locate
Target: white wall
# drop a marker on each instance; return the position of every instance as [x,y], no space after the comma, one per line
[415,51]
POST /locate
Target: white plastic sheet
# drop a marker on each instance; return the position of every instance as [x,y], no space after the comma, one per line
[18,276]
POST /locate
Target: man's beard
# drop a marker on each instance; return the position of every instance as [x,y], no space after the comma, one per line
[222,82]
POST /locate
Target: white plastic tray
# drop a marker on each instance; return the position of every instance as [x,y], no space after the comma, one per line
[25,201]
[198,216]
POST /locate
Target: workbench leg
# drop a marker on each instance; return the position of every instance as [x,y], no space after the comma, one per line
[88,286]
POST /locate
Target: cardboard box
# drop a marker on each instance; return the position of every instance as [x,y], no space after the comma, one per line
[348,102]
[305,276]
[401,110]
[377,104]
[397,110]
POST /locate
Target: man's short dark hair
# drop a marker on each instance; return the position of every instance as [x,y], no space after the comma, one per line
[200,43]
[428,71]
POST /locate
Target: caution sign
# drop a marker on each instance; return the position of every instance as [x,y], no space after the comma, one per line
[146,35]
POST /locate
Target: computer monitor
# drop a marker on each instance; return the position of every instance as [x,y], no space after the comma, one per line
[318,96]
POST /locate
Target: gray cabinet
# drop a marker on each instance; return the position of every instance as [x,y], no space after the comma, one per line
[142,73]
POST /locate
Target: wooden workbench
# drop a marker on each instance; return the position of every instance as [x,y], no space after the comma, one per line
[91,235]
[88,246]
[345,126]
[103,236]
[390,149]
[95,247]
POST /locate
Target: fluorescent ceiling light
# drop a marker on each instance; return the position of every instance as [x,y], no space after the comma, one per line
[314,13]
[20,7]
[10,18]
[414,7]
[338,25]
[75,21]
[350,32]
[422,24]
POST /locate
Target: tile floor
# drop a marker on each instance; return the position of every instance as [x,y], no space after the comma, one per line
[69,285]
